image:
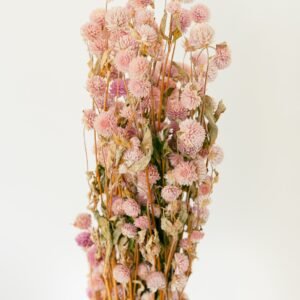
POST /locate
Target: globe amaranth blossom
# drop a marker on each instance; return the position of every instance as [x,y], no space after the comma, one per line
[200,13]
[170,193]
[121,273]
[131,208]
[185,173]
[83,221]
[83,239]
[201,35]
[156,281]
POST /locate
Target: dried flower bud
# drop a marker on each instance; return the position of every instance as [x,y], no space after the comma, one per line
[83,239]
[129,230]
[83,221]
[156,281]
[121,273]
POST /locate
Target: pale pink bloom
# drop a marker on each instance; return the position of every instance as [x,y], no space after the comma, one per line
[178,283]
[117,206]
[138,67]
[175,159]
[122,60]
[142,178]
[216,155]
[143,270]
[142,222]
[201,35]
[205,189]
[90,31]
[126,41]
[170,193]
[148,34]
[140,3]
[201,168]
[116,19]
[156,281]
[190,137]
[97,282]
[98,16]
[189,97]
[88,118]
[98,46]
[173,7]
[92,256]
[175,109]
[185,244]
[139,88]
[129,230]
[105,123]
[133,154]
[185,20]
[117,88]
[185,173]
[181,263]
[121,274]
[131,208]
[96,86]
[196,236]
[203,214]
[144,16]
[83,221]
[200,13]
[222,59]
[83,239]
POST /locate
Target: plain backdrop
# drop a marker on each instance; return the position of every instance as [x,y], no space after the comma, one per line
[251,249]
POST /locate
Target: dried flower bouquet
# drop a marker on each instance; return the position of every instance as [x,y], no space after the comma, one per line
[154,134]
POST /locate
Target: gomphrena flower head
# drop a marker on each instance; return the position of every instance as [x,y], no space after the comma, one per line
[200,13]
[181,262]
[142,222]
[185,173]
[121,273]
[170,193]
[216,155]
[83,221]
[129,230]
[156,281]
[201,35]
[84,240]
[131,208]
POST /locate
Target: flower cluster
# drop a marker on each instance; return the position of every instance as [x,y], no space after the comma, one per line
[154,129]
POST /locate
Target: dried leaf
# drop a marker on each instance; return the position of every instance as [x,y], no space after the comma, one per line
[220,109]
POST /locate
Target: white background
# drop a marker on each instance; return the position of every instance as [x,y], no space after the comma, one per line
[251,250]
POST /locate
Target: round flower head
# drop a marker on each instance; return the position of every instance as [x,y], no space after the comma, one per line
[201,35]
[129,230]
[117,206]
[196,236]
[189,97]
[97,282]
[90,31]
[175,159]
[96,86]
[116,19]
[190,137]
[143,270]
[98,46]
[175,109]
[126,41]
[88,118]
[122,60]
[98,16]
[138,68]
[83,239]
[147,33]
[222,59]
[181,262]
[105,123]
[121,274]
[117,88]
[139,88]
[185,173]
[173,7]
[142,222]
[216,155]
[170,193]
[92,256]
[185,20]
[140,3]
[83,221]
[156,281]
[144,16]
[131,208]
[200,13]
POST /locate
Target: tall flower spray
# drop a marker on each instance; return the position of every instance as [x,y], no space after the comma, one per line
[154,131]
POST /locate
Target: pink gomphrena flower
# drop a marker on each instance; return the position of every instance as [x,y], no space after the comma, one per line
[83,221]
[185,244]
[190,137]
[92,256]
[116,19]
[105,123]
[98,46]
[170,193]
[117,88]
[201,168]
[175,109]
[120,292]
[175,159]
[156,281]
[222,59]
[185,20]
[117,206]
[200,13]
[121,274]
[173,7]
[126,41]
[153,175]
[189,96]
[144,16]
[138,4]
[88,118]
[97,282]
[139,88]
[201,35]
[138,67]
[98,16]
[205,189]
[216,155]
[96,86]
[131,208]
[196,236]
[181,262]
[122,60]
[142,222]
[185,173]
[90,31]
[143,270]
[147,33]
[83,239]
[129,230]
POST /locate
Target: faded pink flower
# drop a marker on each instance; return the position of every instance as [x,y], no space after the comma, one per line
[126,41]
[196,236]
[90,31]
[97,282]
[143,270]
[140,3]
[190,137]
[222,59]
[105,123]
[142,222]
[83,221]
[117,206]
[200,13]
[98,46]
[98,16]
[129,230]
[117,88]
[88,118]
[122,60]
[153,177]
[138,67]
[156,211]
[205,189]
[121,274]
[181,263]
[144,16]
[185,20]
[116,19]
[92,256]
[189,97]
[201,35]
[96,86]
[175,159]
[83,239]
[185,173]
[175,109]
[185,244]
[173,7]
[212,71]
[147,296]
[131,208]
[156,281]
[139,88]
[170,193]
[148,34]
[216,155]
